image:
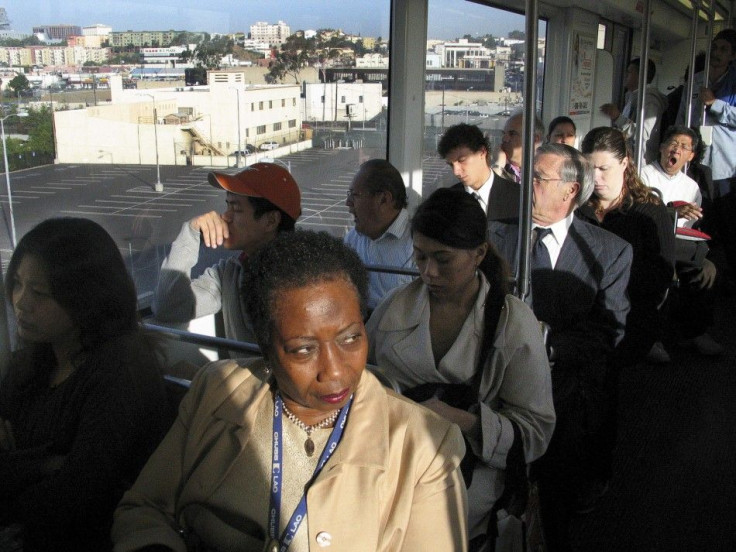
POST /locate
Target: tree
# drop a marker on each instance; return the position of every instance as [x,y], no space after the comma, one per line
[296,52]
[489,42]
[517,35]
[40,127]
[19,84]
[209,52]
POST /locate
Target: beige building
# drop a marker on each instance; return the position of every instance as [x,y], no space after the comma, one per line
[142,38]
[15,57]
[52,55]
[273,35]
[210,122]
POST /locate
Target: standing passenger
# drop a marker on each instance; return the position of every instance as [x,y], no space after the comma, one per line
[381,236]
[466,151]
[562,130]
[512,146]
[262,201]
[655,104]
[718,98]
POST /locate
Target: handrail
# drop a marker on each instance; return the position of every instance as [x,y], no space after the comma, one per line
[388,269]
[642,88]
[690,88]
[205,340]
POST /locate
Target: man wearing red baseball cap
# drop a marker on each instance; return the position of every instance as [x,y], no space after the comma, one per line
[262,201]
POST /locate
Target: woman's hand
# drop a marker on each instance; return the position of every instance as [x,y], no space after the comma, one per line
[468,423]
[7,440]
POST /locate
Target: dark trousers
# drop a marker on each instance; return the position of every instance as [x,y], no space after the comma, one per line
[570,463]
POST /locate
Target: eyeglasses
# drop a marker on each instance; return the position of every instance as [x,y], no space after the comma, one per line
[674,144]
[539,179]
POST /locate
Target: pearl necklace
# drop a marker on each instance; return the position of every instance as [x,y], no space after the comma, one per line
[309,444]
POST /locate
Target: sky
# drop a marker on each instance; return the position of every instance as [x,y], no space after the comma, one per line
[447,18]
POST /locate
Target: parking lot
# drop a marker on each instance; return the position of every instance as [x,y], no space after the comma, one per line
[144,222]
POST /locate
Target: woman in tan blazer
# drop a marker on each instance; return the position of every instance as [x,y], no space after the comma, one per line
[457,341]
[304,450]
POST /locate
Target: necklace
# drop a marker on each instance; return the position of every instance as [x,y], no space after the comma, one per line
[309,444]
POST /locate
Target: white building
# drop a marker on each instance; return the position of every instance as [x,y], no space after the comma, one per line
[165,57]
[205,121]
[373,61]
[273,35]
[453,53]
[97,29]
[340,101]
[257,46]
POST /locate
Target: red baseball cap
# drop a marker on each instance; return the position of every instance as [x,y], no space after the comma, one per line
[267,180]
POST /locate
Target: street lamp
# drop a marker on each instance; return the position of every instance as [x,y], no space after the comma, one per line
[237,156]
[7,173]
[157,186]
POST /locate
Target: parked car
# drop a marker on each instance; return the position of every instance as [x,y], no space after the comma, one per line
[265,146]
[248,150]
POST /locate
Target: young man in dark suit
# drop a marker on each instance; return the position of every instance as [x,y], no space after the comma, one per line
[466,150]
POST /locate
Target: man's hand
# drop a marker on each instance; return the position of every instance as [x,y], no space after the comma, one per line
[690,211]
[707,96]
[707,275]
[214,230]
[611,110]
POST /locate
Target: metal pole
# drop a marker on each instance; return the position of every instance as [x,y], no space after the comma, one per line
[689,89]
[240,142]
[158,186]
[7,183]
[530,96]
[443,107]
[641,92]
[706,68]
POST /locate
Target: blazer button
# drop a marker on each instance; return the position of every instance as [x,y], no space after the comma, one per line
[324,539]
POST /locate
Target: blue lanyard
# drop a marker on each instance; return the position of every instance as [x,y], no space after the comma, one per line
[277,472]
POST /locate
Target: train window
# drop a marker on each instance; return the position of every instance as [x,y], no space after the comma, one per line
[474,74]
[135,112]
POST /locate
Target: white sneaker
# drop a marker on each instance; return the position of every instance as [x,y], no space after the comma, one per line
[705,345]
[658,354]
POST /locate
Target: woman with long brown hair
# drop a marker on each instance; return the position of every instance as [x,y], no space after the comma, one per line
[624,205]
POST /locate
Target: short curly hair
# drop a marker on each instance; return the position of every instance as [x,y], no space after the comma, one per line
[295,260]
[469,136]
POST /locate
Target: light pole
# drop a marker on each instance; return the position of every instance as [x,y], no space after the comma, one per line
[211,139]
[157,186]
[7,175]
[237,156]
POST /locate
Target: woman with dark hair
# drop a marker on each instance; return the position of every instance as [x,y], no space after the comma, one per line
[457,341]
[83,402]
[562,130]
[624,205]
[305,449]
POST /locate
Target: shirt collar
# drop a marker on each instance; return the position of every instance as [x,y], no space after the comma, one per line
[398,226]
[559,228]
[484,191]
